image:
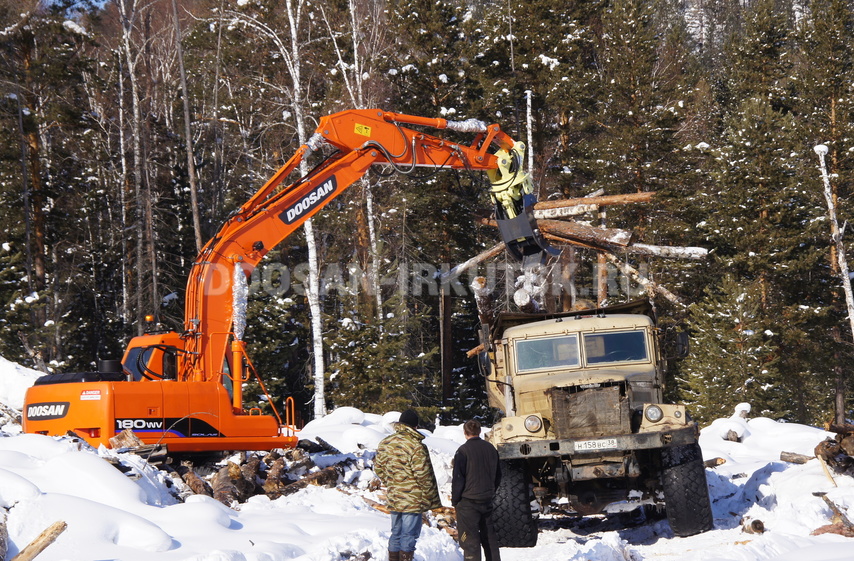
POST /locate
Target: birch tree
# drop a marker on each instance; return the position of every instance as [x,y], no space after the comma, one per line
[291,49]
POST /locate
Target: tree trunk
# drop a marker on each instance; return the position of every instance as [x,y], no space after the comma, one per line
[842,271]
[188,135]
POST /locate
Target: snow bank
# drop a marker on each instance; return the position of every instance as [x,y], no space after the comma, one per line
[136,516]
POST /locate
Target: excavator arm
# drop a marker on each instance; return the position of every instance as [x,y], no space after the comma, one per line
[362,138]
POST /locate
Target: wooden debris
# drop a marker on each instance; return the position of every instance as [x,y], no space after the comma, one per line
[753,526]
[276,479]
[831,454]
[840,523]
[794,458]
[43,540]
[446,520]
[835,528]
[327,477]
[376,506]
[126,439]
[229,485]
[196,484]
[835,509]
[606,200]
[634,274]
[4,534]
[714,462]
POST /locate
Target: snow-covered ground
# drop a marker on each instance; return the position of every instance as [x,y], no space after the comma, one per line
[135,517]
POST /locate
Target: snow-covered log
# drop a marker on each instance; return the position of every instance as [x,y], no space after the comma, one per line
[635,275]
[574,207]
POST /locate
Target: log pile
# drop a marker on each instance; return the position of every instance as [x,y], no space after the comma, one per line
[838,453]
[276,474]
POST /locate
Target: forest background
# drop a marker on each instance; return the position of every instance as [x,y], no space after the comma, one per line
[714,105]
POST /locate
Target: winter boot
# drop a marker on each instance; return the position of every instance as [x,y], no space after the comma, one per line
[407,555]
[393,555]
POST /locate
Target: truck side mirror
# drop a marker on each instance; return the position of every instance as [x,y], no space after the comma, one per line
[483,364]
[682,344]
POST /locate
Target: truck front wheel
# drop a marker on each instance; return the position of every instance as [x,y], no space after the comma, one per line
[686,493]
[514,523]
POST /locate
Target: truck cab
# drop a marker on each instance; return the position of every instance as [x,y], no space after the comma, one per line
[585,429]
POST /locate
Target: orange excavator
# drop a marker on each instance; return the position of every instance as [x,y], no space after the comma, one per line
[184,390]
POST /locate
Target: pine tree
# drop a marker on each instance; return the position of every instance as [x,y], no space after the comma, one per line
[824,72]
[735,358]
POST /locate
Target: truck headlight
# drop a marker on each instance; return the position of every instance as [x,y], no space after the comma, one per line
[653,413]
[533,423]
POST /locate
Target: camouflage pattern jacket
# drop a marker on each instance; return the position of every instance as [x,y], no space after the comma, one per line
[403,464]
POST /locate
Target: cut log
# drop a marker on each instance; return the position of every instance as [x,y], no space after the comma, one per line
[196,484]
[635,275]
[229,487]
[276,479]
[476,260]
[606,237]
[327,477]
[714,462]
[126,439]
[582,235]
[838,514]
[839,429]
[4,534]
[794,458]
[41,542]
[753,527]
[522,299]
[592,202]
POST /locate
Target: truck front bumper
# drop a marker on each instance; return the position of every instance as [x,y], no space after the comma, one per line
[524,449]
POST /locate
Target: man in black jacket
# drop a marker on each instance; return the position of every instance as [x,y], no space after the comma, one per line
[476,477]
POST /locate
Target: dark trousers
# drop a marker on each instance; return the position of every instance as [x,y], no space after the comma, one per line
[474,530]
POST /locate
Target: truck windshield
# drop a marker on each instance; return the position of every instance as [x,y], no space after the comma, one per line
[552,352]
[621,346]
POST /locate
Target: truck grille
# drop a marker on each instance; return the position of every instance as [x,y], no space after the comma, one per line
[590,412]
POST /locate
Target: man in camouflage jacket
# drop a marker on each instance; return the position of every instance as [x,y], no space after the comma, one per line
[403,464]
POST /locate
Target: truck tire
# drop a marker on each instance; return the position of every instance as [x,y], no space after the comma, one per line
[512,518]
[686,493]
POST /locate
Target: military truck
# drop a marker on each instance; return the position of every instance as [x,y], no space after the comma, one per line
[584,428]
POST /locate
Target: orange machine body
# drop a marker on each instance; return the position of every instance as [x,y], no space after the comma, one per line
[183,416]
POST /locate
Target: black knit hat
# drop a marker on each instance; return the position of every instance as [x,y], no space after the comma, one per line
[409,417]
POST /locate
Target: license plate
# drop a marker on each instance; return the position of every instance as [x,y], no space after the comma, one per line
[592,445]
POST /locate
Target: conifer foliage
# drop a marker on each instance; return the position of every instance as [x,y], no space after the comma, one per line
[715,106]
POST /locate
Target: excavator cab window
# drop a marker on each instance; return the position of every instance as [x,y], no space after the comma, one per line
[157,362]
[225,379]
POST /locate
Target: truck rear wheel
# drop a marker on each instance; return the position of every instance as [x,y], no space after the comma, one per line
[514,523]
[686,493]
